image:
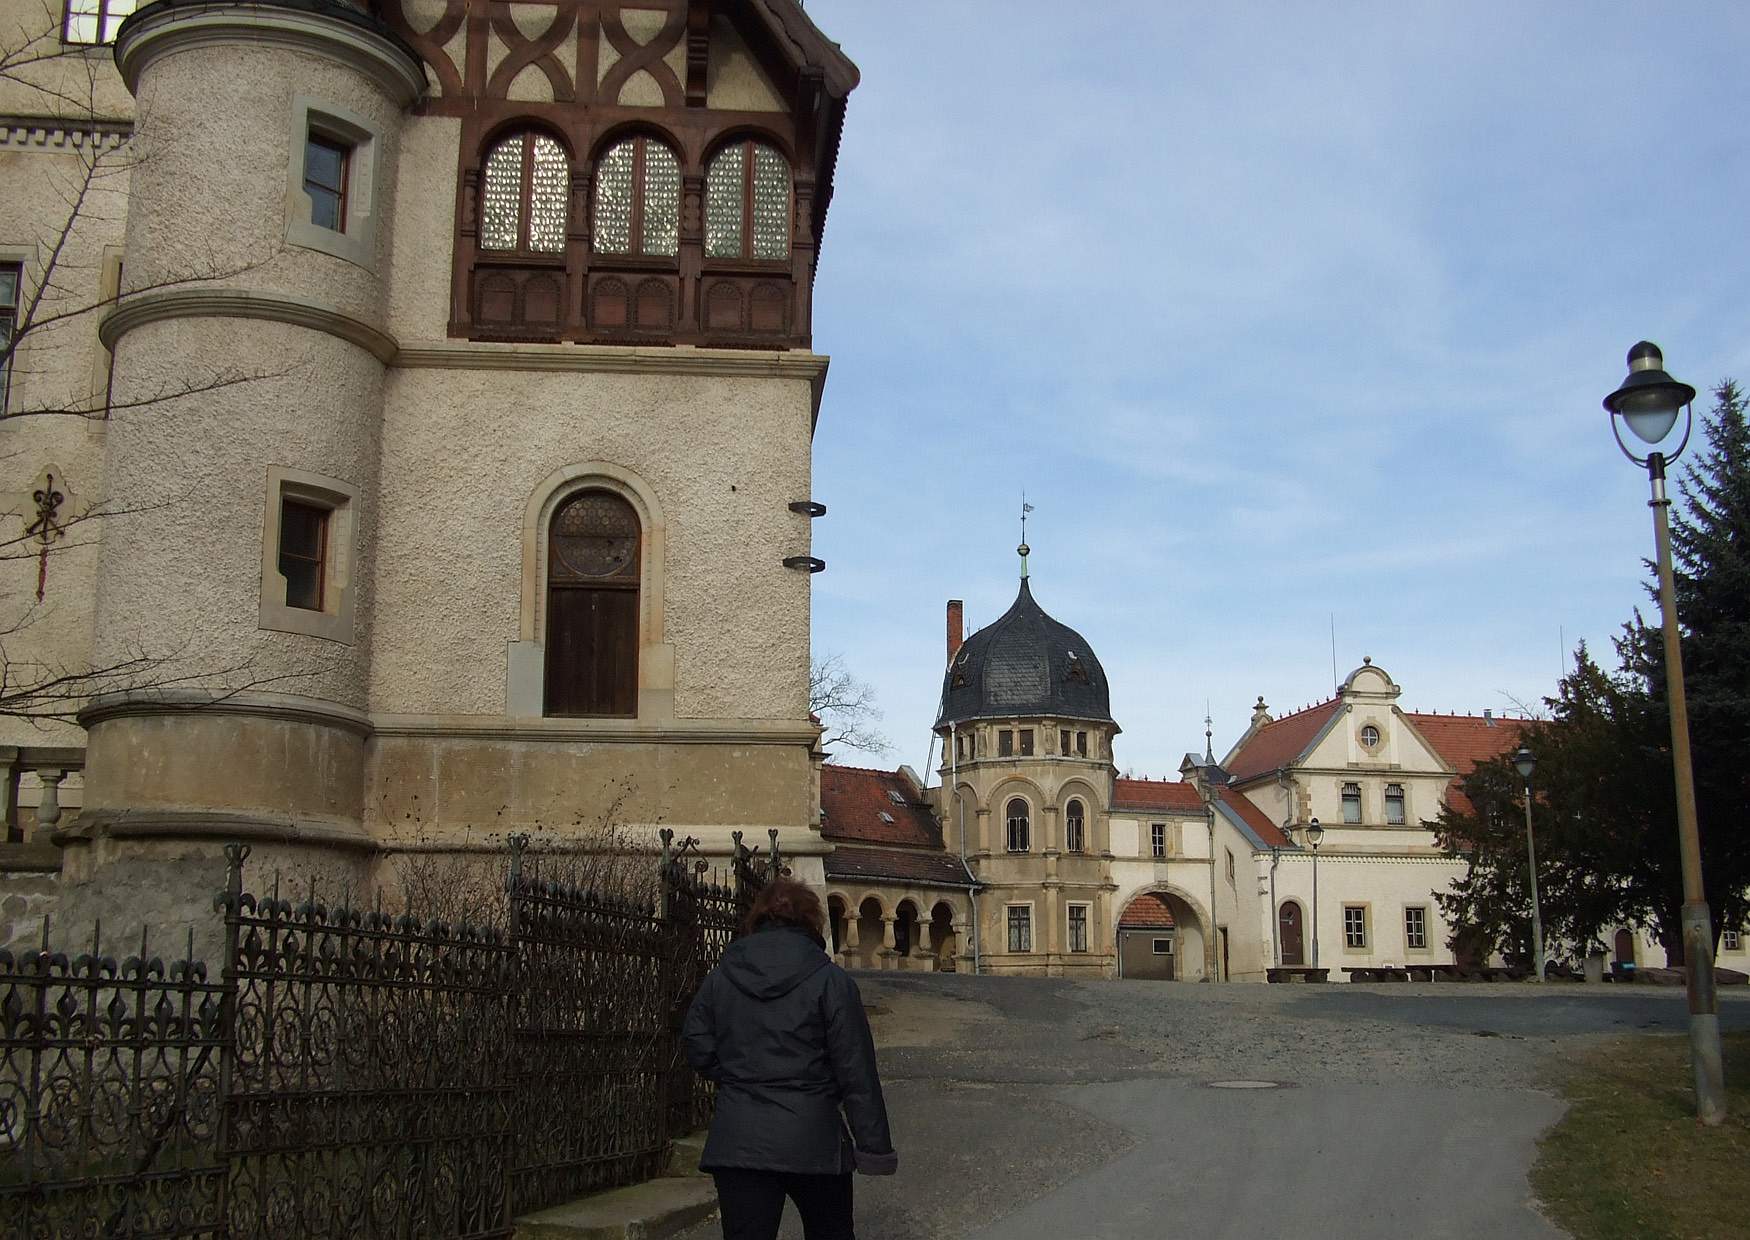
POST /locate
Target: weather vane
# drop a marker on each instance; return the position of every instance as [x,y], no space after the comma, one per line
[1023,549]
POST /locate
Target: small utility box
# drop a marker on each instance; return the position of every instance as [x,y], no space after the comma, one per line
[1594,966]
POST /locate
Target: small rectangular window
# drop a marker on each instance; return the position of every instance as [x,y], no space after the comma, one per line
[1354,925]
[1729,941]
[11,280]
[326,162]
[303,552]
[1020,928]
[92,22]
[1157,836]
[1415,927]
[1230,867]
[1163,947]
[1026,742]
[1081,744]
[1005,744]
[1394,804]
[1063,742]
[1351,802]
[1078,927]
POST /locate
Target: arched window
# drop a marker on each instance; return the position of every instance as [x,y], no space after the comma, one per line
[1018,826]
[523,195]
[593,574]
[1075,827]
[638,199]
[747,203]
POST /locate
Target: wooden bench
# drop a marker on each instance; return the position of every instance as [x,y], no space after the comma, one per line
[1377,973]
[1297,973]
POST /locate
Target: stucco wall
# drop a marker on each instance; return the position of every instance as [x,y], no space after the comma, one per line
[723,457]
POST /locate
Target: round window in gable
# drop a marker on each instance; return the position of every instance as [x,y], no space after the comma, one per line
[1369,737]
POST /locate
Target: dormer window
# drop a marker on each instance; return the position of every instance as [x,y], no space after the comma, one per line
[747,203]
[638,199]
[1077,669]
[523,192]
[897,797]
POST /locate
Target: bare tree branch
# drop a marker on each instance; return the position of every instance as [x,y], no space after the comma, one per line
[845,707]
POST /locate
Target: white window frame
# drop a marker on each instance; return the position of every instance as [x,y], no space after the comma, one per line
[1157,840]
[1345,801]
[1232,880]
[105,15]
[1409,938]
[1009,911]
[356,242]
[21,260]
[1403,800]
[1163,945]
[334,622]
[1070,843]
[1366,927]
[1087,909]
[1730,941]
[1009,827]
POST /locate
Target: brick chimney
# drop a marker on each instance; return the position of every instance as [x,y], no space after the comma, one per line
[956,628]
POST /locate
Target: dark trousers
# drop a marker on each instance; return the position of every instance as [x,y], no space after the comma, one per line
[752,1203]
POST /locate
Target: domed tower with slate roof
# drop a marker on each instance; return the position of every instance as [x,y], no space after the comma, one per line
[1026,726]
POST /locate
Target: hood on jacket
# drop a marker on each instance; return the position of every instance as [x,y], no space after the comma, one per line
[772,961]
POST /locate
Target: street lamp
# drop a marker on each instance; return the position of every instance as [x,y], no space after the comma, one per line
[1648,402]
[1315,835]
[1525,762]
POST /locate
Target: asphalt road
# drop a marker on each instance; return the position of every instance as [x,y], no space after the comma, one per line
[1036,1108]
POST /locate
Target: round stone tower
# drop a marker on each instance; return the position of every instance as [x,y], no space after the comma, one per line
[249,354]
[1026,727]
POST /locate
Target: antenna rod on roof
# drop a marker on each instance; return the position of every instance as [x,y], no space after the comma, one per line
[1336,685]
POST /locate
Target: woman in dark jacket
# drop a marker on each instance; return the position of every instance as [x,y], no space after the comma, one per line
[781,1030]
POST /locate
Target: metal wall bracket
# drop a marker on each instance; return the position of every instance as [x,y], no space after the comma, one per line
[808,507]
[812,563]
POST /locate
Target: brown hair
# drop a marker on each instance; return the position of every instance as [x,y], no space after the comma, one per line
[786,902]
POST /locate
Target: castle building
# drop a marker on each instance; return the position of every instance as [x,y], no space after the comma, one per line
[1077,871]
[437,385]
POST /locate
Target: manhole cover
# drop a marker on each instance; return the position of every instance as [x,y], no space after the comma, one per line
[1245,1085]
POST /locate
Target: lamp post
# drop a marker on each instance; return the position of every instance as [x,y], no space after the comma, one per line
[1315,835]
[1648,401]
[1525,762]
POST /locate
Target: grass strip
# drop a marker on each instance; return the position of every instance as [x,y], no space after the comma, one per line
[1629,1158]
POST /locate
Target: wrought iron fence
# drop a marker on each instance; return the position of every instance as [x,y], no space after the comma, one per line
[359,1074]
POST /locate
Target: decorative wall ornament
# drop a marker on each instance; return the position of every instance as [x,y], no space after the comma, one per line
[46,527]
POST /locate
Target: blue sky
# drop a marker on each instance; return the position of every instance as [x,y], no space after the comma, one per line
[1277,311]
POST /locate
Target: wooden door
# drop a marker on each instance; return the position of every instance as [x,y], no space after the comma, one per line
[1625,947]
[592,651]
[1292,935]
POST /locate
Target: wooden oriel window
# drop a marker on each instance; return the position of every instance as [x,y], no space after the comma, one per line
[594,571]
[94,21]
[524,192]
[747,203]
[327,166]
[637,202]
[1074,828]
[303,553]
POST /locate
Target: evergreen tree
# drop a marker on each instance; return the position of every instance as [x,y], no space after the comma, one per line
[1605,793]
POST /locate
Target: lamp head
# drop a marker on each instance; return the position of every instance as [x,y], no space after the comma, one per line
[1648,400]
[1315,834]
[1525,762]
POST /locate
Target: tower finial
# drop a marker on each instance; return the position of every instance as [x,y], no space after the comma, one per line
[1208,734]
[1024,549]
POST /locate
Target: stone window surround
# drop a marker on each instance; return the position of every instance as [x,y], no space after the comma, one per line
[1009,802]
[1158,843]
[1087,925]
[1427,924]
[526,662]
[1366,909]
[357,242]
[1163,945]
[334,622]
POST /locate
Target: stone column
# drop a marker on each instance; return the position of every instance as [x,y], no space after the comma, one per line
[983,813]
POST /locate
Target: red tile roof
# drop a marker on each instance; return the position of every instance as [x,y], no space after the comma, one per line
[1465,740]
[853,800]
[932,868]
[1147,912]
[1169,795]
[1255,818]
[1280,742]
